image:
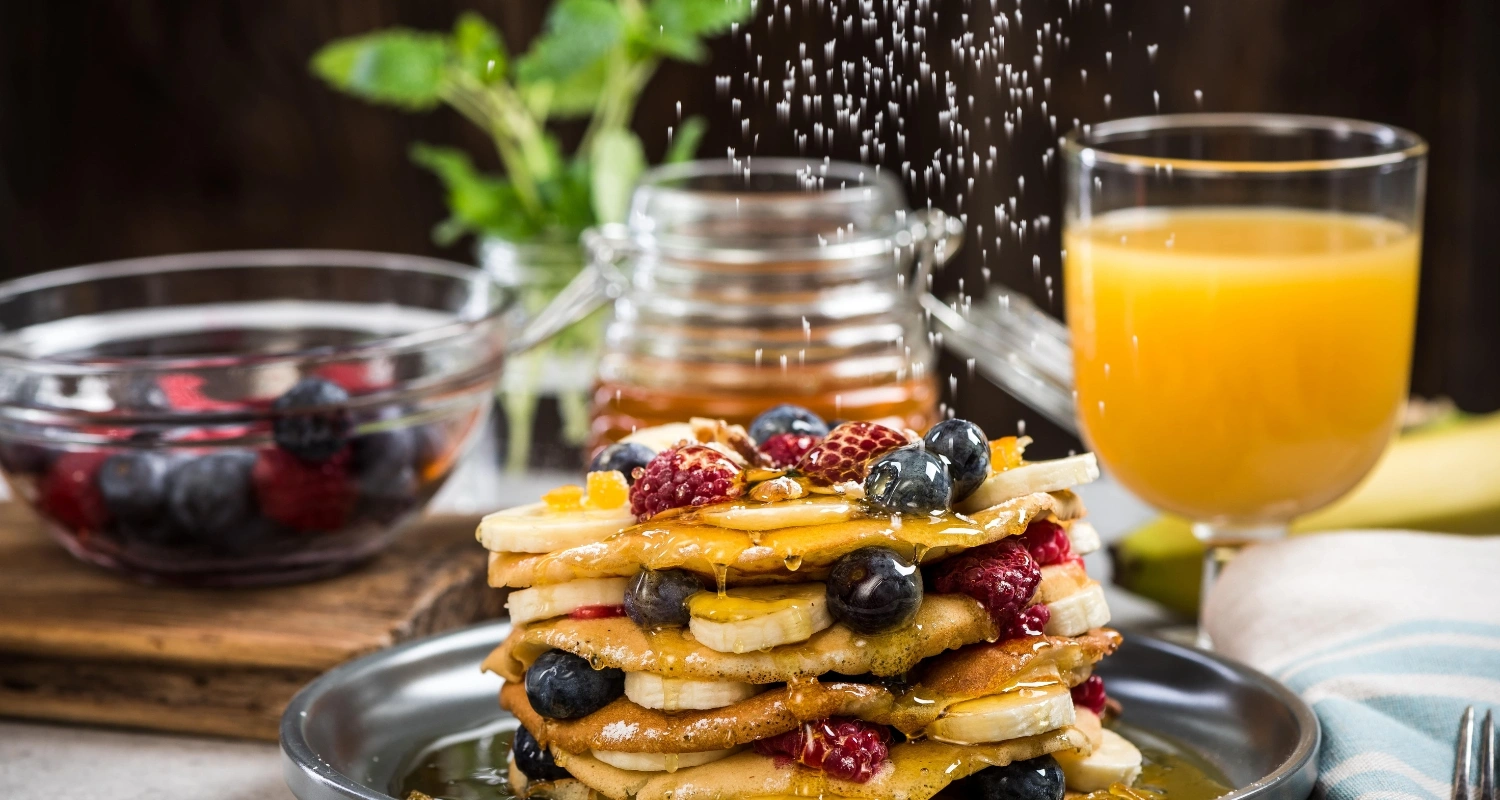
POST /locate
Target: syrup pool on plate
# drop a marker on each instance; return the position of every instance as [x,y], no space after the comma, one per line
[472,766]
[466,766]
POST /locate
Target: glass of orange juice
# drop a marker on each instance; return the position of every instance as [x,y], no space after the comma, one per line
[1241,293]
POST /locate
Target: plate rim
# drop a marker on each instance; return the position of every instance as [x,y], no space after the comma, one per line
[303,767]
[1310,737]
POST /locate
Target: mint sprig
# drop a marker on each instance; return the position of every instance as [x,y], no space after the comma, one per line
[593,59]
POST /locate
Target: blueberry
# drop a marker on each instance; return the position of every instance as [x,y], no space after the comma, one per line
[561,685]
[658,598]
[874,589]
[134,486]
[1034,779]
[312,435]
[384,470]
[533,760]
[787,418]
[212,498]
[963,445]
[624,457]
[387,496]
[383,450]
[909,480]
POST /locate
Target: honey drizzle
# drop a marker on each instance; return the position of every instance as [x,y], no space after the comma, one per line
[685,541]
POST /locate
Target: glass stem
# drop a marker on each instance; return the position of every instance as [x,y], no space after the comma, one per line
[1221,543]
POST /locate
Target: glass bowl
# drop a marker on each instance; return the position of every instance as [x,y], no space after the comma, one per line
[242,418]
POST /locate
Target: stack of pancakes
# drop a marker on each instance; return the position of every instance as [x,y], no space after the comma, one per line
[950,689]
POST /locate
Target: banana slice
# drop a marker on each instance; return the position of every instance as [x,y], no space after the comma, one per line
[675,694]
[1084,538]
[1041,476]
[1090,725]
[546,602]
[1018,713]
[536,528]
[758,617]
[1078,613]
[661,437]
[1059,581]
[1115,760]
[786,514]
[661,762]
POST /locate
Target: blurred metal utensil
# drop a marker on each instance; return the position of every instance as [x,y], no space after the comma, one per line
[1463,758]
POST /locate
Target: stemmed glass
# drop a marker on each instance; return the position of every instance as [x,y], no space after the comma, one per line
[1241,294]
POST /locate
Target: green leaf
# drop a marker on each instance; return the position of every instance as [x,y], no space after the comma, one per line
[698,18]
[672,45]
[397,66]
[480,50]
[576,95]
[578,34]
[685,140]
[478,202]
[617,160]
[569,201]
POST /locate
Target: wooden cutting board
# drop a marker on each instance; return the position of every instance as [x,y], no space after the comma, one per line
[80,644]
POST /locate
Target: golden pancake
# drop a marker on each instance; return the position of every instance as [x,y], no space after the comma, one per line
[987,669]
[916,771]
[623,726]
[799,553]
[943,622]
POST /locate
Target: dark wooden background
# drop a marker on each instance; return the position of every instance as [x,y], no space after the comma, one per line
[137,127]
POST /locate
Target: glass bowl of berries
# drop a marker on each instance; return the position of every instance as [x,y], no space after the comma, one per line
[242,418]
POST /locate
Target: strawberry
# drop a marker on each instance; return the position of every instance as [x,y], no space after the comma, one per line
[845,454]
[69,495]
[302,495]
[848,749]
[685,476]
[786,449]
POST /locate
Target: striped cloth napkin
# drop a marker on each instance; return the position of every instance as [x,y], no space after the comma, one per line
[1387,635]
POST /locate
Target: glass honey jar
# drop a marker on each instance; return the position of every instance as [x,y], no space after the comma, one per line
[738,285]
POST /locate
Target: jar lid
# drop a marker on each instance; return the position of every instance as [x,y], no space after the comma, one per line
[1014,344]
[756,209]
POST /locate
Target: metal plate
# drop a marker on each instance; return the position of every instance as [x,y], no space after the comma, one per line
[350,732]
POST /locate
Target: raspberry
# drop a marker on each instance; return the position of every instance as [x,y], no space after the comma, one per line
[597,612]
[682,477]
[1048,543]
[847,749]
[1031,622]
[69,495]
[1001,575]
[845,454]
[1090,694]
[786,449]
[302,495]
[185,393]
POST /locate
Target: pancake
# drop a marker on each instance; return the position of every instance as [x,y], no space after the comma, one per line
[800,553]
[987,669]
[624,726]
[916,771]
[943,622]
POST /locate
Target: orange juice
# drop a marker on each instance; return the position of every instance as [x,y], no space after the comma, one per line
[1240,365]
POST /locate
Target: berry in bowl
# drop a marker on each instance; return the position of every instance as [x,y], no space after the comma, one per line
[244,417]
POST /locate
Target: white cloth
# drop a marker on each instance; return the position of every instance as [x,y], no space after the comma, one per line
[1387,635]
